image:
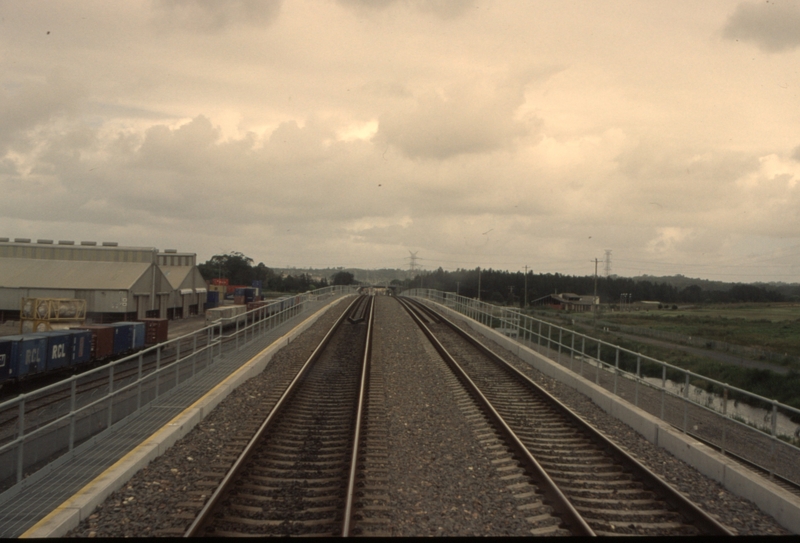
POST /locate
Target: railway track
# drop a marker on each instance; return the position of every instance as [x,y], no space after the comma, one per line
[593,486]
[299,473]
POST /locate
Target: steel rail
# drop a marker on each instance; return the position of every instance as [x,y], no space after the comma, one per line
[362,396]
[203,516]
[689,509]
[555,497]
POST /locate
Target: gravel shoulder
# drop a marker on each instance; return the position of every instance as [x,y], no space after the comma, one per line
[442,479]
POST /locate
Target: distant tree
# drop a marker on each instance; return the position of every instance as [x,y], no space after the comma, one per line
[343,278]
[235,267]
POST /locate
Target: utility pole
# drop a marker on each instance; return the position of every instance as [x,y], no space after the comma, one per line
[594,310]
[526,288]
[479,283]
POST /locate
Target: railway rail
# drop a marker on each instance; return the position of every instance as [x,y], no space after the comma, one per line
[298,473]
[593,485]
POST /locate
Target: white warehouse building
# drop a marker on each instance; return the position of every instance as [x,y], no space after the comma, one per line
[118,283]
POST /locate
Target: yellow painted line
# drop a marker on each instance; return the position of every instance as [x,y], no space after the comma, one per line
[68,503]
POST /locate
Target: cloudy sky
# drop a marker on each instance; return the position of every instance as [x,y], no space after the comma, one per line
[351,133]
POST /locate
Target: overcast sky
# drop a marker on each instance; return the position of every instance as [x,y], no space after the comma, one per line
[350,133]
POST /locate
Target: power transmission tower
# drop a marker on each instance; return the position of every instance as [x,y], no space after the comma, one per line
[607,264]
[412,265]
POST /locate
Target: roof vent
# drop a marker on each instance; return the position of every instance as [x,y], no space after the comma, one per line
[22,240]
[88,243]
[66,242]
[4,239]
[110,244]
[47,241]
[170,250]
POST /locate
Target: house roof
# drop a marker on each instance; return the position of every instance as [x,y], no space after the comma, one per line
[70,274]
[176,275]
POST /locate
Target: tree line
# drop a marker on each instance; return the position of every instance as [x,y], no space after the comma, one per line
[506,287]
[238,269]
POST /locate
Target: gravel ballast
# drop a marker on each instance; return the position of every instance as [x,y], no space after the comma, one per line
[442,462]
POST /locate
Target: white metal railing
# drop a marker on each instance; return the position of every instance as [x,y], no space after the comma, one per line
[680,392]
[33,437]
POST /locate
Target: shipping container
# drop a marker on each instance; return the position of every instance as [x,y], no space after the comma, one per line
[128,337]
[238,300]
[59,349]
[22,355]
[155,331]
[225,312]
[212,297]
[102,344]
[81,347]
[123,337]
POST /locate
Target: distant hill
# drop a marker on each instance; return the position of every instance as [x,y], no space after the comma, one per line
[681,282]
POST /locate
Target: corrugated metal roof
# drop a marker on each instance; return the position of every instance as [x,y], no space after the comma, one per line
[176,274]
[70,274]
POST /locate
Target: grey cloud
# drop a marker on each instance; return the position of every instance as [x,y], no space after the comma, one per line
[34,104]
[466,121]
[774,26]
[184,147]
[444,9]
[212,15]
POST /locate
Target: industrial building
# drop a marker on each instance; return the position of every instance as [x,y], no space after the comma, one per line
[118,283]
[568,301]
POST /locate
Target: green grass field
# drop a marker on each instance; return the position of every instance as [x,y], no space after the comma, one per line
[773,327]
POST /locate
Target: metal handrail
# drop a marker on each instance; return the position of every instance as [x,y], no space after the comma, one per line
[487,314]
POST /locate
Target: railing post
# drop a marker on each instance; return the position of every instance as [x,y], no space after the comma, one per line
[110,393]
[539,335]
[774,438]
[549,333]
[572,351]
[583,352]
[724,415]
[194,352]
[72,403]
[139,384]
[560,330]
[21,437]
[686,404]
[597,373]
[616,370]
[663,389]
[158,368]
[638,376]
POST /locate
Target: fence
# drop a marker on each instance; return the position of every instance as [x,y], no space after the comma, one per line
[42,429]
[758,429]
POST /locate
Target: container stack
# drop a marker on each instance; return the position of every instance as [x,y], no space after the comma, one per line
[155,331]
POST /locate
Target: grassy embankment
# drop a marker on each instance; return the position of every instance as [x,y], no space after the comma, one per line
[773,327]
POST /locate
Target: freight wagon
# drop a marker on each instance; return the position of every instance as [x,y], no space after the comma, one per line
[26,355]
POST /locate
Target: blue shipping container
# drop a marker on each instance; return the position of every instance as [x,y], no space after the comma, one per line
[212,296]
[24,355]
[6,345]
[81,347]
[59,349]
[123,337]
[138,335]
